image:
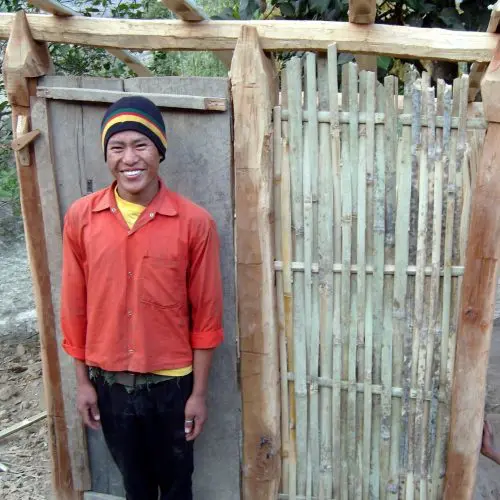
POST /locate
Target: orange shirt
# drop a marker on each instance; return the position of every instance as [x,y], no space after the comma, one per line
[140,299]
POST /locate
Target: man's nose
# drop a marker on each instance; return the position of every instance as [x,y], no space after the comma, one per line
[129,156]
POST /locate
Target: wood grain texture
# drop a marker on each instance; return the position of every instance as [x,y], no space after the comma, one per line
[397,41]
[49,203]
[24,58]
[477,308]
[108,96]
[362,11]
[253,83]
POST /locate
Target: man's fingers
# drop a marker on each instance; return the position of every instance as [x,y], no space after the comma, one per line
[188,425]
[196,430]
[94,412]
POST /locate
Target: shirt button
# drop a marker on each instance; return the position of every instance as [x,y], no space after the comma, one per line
[131,351]
[113,209]
[129,274]
[129,314]
[129,232]
[151,214]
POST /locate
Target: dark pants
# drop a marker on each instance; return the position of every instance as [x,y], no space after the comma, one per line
[144,431]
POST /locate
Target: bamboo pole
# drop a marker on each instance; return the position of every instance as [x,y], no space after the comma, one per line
[416,147]
[345,307]
[435,153]
[337,255]
[390,133]
[299,335]
[442,409]
[311,238]
[352,441]
[399,311]
[378,287]
[326,284]
[286,242]
[365,248]
[253,84]
[361,280]
[280,277]
[420,323]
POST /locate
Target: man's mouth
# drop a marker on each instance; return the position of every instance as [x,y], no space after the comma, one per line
[130,174]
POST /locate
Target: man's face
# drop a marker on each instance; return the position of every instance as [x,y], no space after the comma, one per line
[133,160]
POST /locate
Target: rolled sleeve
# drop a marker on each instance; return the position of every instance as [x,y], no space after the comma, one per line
[205,286]
[73,294]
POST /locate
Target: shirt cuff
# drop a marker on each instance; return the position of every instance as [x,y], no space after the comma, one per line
[207,339]
[73,351]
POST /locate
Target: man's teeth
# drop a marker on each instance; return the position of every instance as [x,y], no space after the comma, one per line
[132,173]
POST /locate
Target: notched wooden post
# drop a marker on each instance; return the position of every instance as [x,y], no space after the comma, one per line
[254,90]
[364,12]
[25,60]
[477,303]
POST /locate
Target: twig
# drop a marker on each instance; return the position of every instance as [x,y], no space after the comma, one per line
[23,424]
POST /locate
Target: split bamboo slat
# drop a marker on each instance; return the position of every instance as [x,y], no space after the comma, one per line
[372,201]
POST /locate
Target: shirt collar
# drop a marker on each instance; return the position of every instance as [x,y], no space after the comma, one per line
[162,203]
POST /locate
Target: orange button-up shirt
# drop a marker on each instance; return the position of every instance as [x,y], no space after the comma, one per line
[140,299]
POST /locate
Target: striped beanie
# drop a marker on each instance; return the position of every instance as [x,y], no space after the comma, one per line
[134,113]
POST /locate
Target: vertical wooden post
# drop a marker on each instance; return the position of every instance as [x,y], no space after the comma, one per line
[363,12]
[254,91]
[25,59]
[477,304]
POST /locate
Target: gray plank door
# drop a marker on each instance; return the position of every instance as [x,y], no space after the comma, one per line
[198,165]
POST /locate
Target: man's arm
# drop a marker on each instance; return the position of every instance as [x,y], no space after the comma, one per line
[196,406]
[205,297]
[74,321]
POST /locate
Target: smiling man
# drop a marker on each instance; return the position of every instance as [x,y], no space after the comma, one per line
[141,308]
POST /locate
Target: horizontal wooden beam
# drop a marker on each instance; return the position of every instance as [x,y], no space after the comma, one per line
[397,41]
[57,9]
[109,96]
[187,10]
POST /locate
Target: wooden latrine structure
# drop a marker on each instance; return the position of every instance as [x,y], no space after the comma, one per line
[366,248]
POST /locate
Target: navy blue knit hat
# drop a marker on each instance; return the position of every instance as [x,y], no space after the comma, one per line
[134,113]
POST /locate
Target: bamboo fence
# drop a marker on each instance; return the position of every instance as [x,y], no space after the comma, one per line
[372,201]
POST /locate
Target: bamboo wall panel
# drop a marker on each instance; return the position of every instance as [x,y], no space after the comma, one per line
[372,201]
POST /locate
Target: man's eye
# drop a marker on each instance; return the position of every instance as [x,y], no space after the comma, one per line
[116,149]
[141,146]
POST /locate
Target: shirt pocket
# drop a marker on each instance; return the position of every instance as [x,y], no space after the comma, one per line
[162,282]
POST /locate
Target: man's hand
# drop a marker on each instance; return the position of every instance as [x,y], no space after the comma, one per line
[86,402]
[195,416]
[488,444]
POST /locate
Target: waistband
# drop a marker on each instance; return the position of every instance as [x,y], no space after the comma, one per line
[128,379]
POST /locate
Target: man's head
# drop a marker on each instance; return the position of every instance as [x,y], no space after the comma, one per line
[134,143]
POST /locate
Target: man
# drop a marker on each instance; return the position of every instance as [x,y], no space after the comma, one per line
[141,308]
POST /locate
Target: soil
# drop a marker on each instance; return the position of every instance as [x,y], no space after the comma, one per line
[24,456]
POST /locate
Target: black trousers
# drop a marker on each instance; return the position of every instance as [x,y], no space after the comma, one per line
[144,431]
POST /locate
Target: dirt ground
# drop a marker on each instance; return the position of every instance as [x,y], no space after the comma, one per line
[24,456]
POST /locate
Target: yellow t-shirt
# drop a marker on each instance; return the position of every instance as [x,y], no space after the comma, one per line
[131,212]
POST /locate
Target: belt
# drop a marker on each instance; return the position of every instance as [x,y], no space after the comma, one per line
[129,379]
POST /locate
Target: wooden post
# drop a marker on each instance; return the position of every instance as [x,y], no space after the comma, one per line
[25,60]
[477,304]
[254,85]
[363,12]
